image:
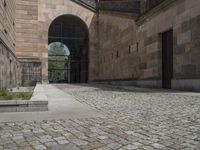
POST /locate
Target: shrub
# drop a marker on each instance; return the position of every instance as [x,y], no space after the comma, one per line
[6,95]
[3,92]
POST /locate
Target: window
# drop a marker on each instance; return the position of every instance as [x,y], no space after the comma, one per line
[129,50]
[117,56]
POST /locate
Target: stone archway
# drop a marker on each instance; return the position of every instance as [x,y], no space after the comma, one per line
[71,31]
[48,11]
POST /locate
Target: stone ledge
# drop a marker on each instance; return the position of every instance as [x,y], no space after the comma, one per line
[22,109]
[37,103]
[23,103]
[186,84]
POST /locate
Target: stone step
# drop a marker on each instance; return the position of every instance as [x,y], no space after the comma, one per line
[28,103]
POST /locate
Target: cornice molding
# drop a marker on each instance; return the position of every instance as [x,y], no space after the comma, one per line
[159,8]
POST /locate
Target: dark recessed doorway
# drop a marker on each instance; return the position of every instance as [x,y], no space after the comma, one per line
[167,59]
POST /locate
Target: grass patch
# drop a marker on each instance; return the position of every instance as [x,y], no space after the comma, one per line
[6,95]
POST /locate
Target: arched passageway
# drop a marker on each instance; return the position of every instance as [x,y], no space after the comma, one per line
[68,33]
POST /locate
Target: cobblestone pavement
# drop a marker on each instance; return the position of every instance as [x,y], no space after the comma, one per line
[133,120]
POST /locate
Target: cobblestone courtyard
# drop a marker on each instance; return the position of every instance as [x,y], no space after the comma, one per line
[133,119]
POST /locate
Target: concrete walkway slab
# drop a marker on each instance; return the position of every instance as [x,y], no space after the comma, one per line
[39,93]
[61,106]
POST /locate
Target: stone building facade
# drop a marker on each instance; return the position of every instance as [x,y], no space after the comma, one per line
[10,74]
[127,39]
[131,49]
[32,38]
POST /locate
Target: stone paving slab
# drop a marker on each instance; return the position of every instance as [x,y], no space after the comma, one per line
[39,93]
[131,120]
[60,106]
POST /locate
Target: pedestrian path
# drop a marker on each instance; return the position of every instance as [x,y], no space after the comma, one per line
[60,106]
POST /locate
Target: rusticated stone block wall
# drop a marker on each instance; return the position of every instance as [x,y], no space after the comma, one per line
[120,47]
[50,10]
[10,68]
[27,28]
[18,36]
[117,59]
[33,18]
[132,50]
[183,18]
[7,23]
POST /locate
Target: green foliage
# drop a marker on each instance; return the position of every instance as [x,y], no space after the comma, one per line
[56,49]
[3,92]
[6,95]
[57,60]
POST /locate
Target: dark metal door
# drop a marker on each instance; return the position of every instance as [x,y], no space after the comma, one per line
[167,59]
[75,71]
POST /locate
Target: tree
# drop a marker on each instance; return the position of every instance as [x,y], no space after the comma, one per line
[57,60]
